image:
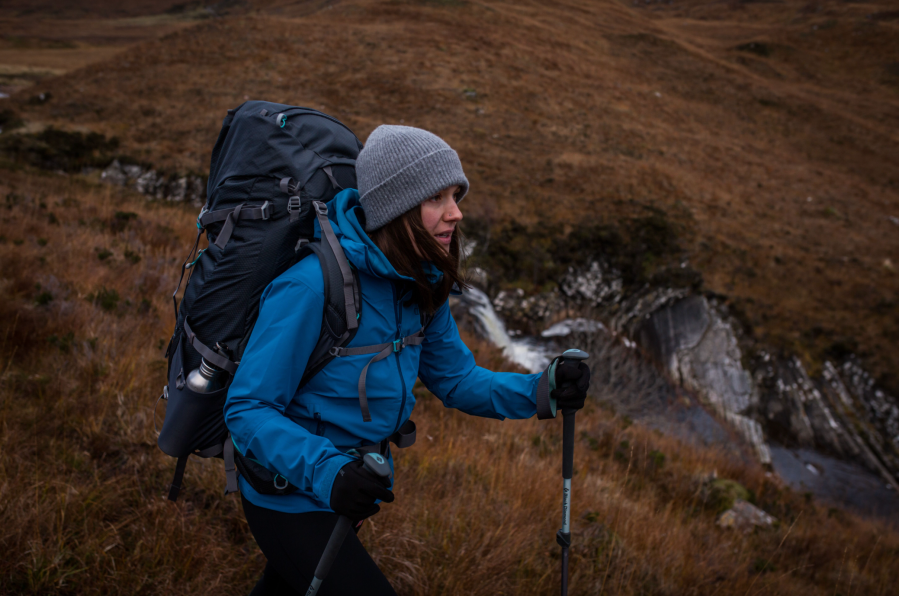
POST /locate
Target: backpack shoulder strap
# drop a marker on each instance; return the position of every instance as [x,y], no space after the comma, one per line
[334,330]
[346,273]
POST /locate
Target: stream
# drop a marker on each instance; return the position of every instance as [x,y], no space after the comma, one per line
[839,482]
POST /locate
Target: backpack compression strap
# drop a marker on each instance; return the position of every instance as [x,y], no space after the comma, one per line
[381,351]
[213,451]
[210,356]
[231,217]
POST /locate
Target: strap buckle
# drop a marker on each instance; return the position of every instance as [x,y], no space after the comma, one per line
[200,226]
[399,344]
[266,209]
[293,204]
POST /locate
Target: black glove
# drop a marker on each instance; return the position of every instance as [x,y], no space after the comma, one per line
[572,381]
[355,491]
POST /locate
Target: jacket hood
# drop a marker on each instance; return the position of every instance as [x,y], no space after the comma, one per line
[344,212]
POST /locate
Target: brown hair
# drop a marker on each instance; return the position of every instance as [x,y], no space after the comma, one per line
[406,244]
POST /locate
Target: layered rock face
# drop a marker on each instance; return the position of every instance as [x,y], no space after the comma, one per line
[764,396]
[700,351]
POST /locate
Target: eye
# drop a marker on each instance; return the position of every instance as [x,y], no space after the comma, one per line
[435,198]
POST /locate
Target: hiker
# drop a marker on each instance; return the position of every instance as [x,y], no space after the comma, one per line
[399,232]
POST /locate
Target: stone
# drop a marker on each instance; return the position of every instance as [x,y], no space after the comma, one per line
[132,171]
[146,183]
[745,517]
[597,285]
[113,174]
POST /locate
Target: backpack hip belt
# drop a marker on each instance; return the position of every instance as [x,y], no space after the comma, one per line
[266,482]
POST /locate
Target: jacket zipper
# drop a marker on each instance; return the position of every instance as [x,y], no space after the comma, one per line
[319,425]
[398,310]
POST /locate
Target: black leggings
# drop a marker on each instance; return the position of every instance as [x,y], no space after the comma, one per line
[293,544]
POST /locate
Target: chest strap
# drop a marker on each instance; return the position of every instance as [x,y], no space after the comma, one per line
[381,351]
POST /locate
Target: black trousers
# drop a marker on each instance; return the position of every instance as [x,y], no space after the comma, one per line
[293,544]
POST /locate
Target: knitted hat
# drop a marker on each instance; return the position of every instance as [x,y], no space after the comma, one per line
[399,168]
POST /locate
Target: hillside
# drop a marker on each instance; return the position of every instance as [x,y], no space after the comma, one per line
[750,149]
[85,314]
[766,131]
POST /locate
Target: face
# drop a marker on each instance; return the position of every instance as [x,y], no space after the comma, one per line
[440,214]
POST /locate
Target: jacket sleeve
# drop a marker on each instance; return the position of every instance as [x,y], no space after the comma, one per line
[448,370]
[269,375]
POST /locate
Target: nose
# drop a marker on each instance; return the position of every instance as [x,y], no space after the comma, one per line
[452,213]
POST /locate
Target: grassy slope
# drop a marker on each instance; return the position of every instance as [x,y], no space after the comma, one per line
[83,484]
[565,114]
[587,112]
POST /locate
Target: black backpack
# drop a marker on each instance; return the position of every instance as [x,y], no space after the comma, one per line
[272,170]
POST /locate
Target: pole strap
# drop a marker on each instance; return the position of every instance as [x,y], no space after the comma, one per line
[546,405]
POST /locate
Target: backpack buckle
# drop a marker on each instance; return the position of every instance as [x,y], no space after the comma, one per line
[399,344]
[266,209]
[293,207]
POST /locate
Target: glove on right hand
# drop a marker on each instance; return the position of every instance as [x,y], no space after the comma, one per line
[572,381]
[355,491]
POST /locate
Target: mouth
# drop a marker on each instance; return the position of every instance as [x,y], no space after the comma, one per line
[444,237]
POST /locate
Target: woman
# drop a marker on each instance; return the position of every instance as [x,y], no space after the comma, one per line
[399,231]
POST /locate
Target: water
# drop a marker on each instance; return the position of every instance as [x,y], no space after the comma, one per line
[841,482]
[527,352]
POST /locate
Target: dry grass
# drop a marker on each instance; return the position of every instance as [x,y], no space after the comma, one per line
[82,484]
[596,108]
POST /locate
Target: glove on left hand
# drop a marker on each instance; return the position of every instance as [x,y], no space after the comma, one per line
[572,381]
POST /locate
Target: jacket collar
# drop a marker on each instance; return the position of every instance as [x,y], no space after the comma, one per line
[345,213]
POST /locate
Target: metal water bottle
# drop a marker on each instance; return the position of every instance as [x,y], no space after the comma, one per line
[208,377]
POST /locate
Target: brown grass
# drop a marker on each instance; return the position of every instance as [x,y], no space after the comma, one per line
[478,501]
[595,109]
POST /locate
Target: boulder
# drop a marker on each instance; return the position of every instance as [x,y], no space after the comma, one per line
[745,517]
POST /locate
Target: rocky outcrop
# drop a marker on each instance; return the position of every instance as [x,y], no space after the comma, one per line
[841,413]
[527,312]
[700,350]
[155,185]
[769,399]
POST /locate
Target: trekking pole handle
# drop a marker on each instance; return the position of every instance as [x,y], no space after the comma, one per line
[568,421]
[377,465]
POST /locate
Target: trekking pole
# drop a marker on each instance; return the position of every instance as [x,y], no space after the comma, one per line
[563,536]
[377,465]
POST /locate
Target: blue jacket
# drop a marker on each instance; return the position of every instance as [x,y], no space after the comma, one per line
[304,434]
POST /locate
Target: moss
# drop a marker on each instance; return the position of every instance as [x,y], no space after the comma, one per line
[54,149]
[644,248]
[722,493]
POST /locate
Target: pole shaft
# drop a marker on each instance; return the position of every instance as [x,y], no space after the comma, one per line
[331,550]
[567,472]
[568,443]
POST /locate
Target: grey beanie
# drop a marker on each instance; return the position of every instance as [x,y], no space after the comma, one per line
[399,168]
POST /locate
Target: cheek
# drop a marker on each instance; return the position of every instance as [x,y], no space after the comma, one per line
[430,215]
